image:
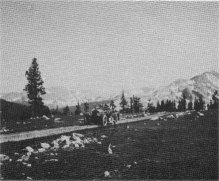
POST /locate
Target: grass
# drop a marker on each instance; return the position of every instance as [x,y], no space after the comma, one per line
[183,148]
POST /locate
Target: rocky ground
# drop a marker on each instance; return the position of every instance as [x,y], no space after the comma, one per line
[175,146]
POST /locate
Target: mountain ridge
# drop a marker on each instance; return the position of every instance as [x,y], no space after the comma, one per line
[202,85]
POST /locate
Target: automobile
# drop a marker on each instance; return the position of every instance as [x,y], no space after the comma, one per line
[101,117]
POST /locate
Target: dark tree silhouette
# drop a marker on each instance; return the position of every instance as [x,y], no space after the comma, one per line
[35,89]
[215,100]
[151,108]
[112,104]
[137,105]
[86,107]
[123,102]
[182,103]
[78,109]
[66,111]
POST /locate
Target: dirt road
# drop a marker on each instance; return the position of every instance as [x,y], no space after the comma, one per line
[56,131]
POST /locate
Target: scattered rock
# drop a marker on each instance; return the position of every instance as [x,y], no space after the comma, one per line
[103,136]
[29,178]
[25,157]
[106,174]
[52,160]
[200,114]
[154,118]
[45,117]
[45,145]
[40,150]
[57,120]
[109,149]
[3,157]
[170,116]
[29,165]
[128,166]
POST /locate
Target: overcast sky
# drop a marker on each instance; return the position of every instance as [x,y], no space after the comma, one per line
[107,45]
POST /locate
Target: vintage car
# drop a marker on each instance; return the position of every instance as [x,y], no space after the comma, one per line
[101,117]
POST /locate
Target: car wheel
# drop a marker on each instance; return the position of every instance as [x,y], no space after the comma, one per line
[104,120]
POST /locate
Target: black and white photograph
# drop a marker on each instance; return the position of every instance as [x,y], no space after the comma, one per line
[109,90]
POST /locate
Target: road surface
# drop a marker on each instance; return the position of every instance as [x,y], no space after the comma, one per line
[55,131]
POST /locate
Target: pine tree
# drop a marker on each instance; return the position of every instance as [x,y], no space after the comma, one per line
[137,105]
[151,107]
[86,107]
[196,104]
[201,103]
[78,109]
[158,109]
[182,103]
[131,104]
[215,100]
[35,89]
[123,102]
[174,105]
[112,105]
[162,106]
[66,111]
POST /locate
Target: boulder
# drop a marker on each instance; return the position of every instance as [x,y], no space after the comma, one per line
[200,114]
[40,150]
[154,118]
[57,120]
[45,117]
[3,157]
[45,145]
[29,149]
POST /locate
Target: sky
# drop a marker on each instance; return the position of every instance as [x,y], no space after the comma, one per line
[107,45]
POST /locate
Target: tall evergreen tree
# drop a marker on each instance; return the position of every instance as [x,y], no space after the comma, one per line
[201,103]
[196,104]
[35,89]
[86,107]
[174,105]
[182,103]
[151,108]
[158,108]
[137,104]
[123,102]
[66,111]
[78,109]
[112,104]
[215,100]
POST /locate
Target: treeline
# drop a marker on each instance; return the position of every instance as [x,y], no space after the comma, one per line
[183,104]
[135,105]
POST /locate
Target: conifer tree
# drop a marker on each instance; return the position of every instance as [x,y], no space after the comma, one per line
[158,106]
[78,109]
[86,107]
[35,89]
[112,104]
[215,100]
[123,102]
[66,110]
[131,105]
[174,105]
[196,104]
[182,103]
[151,107]
[162,105]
